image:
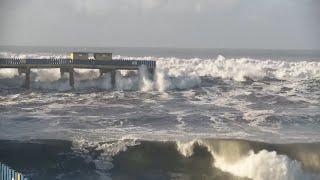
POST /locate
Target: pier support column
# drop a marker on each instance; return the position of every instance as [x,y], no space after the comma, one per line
[102,71]
[71,78]
[27,78]
[71,75]
[113,78]
[65,70]
[112,73]
[61,72]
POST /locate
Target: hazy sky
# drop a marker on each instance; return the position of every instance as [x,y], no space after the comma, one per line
[271,24]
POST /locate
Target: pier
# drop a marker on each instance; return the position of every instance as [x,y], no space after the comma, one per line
[79,60]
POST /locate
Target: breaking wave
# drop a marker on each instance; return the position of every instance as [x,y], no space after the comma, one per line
[260,161]
[171,73]
[138,159]
[241,69]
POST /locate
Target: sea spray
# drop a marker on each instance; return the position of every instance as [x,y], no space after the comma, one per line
[49,75]
[130,82]
[8,73]
[173,73]
[237,158]
[263,165]
[144,76]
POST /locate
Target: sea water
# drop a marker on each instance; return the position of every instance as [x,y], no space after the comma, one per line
[206,114]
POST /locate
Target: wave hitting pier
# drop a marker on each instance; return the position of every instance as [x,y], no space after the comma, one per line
[101,61]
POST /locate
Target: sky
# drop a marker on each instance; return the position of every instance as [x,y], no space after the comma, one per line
[257,24]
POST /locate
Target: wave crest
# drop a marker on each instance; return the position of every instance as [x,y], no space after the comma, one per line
[253,160]
[175,73]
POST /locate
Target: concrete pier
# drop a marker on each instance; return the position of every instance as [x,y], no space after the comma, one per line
[24,66]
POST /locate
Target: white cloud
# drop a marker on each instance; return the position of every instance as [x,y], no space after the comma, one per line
[153,3]
[203,23]
[104,6]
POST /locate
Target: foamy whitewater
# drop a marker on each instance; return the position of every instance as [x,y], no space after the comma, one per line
[198,118]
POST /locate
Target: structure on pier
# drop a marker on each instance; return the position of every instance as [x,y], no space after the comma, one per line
[79,56]
[102,56]
[102,61]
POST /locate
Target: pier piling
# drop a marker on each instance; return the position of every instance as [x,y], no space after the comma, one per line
[61,72]
[113,78]
[27,78]
[112,73]
[71,75]
[71,78]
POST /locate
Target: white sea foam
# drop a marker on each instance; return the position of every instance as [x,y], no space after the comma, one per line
[108,149]
[145,83]
[8,73]
[263,165]
[33,55]
[43,75]
[239,69]
[126,83]
[175,73]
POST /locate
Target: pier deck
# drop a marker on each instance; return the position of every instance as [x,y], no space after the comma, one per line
[68,66]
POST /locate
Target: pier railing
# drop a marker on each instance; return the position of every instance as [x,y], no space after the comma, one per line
[8,62]
[6,173]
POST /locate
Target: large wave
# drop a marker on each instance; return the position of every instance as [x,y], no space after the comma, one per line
[214,158]
[137,159]
[171,73]
[240,69]
[260,161]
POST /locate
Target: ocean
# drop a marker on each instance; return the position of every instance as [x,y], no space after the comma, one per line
[207,114]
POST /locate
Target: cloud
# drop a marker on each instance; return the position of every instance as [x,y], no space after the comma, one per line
[194,23]
[150,4]
[101,7]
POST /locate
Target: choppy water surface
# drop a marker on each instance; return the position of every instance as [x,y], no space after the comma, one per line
[175,126]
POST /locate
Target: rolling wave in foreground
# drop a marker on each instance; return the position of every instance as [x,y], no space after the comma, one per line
[221,118]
